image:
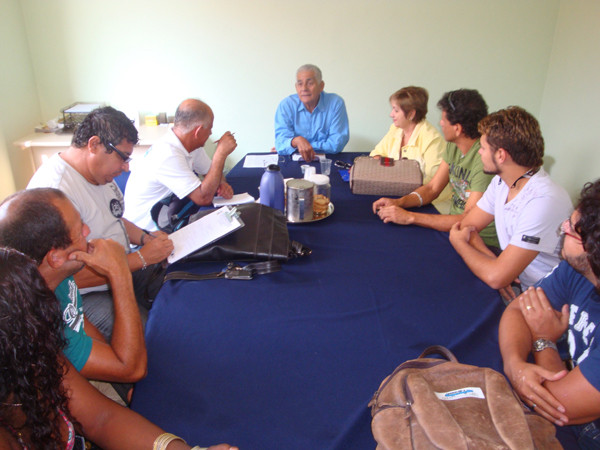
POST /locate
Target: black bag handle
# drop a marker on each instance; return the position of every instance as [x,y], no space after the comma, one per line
[233,271]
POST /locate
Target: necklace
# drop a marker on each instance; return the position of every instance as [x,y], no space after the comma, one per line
[16,434]
[527,174]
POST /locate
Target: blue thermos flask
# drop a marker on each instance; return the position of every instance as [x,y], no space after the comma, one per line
[272,189]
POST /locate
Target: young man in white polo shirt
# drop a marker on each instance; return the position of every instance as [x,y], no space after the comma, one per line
[527,206]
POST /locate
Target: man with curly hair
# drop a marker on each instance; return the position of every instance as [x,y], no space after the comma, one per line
[525,204]
[564,303]
[461,168]
[43,224]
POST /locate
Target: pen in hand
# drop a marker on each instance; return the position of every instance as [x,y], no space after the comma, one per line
[217,141]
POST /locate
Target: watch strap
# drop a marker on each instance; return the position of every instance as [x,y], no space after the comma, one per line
[542,344]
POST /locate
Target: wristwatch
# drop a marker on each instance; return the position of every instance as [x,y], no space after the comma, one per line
[542,344]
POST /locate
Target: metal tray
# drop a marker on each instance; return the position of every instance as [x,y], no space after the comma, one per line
[330,210]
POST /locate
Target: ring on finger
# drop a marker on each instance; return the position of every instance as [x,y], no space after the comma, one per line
[533,406]
[528,307]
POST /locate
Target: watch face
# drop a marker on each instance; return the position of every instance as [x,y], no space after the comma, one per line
[542,344]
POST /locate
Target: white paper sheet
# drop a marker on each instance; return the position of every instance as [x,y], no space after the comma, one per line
[204,231]
[237,199]
[83,108]
[254,161]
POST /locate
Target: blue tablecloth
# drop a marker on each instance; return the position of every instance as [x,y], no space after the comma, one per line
[291,359]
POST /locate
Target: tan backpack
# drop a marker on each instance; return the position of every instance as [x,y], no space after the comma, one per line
[431,403]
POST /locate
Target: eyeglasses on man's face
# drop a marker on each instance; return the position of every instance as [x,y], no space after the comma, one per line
[124,156]
[567,228]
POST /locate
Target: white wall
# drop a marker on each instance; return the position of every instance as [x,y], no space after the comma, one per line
[570,113]
[241,56]
[20,110]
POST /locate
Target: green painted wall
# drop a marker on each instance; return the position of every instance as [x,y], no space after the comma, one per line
[20,110]
[241,57]
[570,114]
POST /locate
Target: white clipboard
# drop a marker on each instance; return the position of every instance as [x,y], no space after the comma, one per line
[204,231]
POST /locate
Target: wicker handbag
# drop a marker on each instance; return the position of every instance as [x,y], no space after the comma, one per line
[370,176]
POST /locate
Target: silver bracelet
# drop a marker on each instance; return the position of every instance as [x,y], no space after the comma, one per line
[144,265]
[420,198]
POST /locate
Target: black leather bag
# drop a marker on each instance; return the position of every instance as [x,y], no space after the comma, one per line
[264,237]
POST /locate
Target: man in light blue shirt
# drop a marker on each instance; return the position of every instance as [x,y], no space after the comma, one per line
[311,120]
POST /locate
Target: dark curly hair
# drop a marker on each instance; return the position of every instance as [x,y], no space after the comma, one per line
[588,225]
[31,341]
[32,224]
[517,132]
[465,107]
[109,124]
[412,97]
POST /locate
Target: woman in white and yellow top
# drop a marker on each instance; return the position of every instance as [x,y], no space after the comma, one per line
[413,137]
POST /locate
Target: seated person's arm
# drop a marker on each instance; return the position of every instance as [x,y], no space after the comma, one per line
[580,398]
[87,277]
[532,317]
[515,342]
[104,363]
[440,222]
[92,331]
[125,359]
[284,130]
[157,246]
[304,148]
[225,190]
[338,132]
[204,194]
[496,272]
[428,192]
[393,210]
[107,423]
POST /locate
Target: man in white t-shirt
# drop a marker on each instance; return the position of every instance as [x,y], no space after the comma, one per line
[173,166]
[527,206]
[100,150]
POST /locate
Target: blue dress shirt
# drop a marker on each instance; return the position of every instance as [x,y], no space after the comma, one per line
[326,128]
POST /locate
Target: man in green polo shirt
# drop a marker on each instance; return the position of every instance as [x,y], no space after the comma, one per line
[461,167]
[44,225]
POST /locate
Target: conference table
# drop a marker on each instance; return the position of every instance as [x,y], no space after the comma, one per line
[291,359]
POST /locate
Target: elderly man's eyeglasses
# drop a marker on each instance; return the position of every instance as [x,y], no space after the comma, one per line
[124,156]
[567,228]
